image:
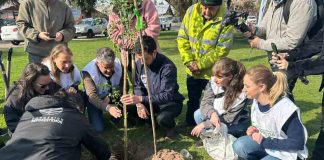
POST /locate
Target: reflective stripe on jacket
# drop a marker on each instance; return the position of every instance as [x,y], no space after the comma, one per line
[197,40]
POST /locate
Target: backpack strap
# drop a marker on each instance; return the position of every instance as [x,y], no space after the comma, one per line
[219,95]
[286,10]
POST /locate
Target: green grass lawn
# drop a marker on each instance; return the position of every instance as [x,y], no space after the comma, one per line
[307,97]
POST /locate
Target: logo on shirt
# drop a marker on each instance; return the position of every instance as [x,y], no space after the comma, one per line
[144,80]
[51,111]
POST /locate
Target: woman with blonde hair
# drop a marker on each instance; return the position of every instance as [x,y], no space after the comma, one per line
[277,131]
[62,69]
[223,100]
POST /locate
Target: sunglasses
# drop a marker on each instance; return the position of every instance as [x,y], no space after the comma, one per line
[42,86]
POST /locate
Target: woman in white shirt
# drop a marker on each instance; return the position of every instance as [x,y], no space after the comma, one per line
[223,99]
[63,71]
[276,131]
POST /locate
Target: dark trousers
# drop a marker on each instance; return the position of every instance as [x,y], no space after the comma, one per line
[291,79]
[195,88]
[164,114]
[318,152]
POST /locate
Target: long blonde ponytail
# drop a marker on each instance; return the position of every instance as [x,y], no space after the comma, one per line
[276,83]
[279,88]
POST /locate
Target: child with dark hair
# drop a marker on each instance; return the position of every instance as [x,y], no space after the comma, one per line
[223,100]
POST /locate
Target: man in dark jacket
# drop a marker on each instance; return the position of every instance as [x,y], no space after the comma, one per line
[308,59]
[53,128]
[162,77]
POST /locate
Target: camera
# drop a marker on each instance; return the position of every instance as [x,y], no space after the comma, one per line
[237,20]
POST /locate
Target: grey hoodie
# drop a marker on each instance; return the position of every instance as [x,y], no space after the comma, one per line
[50,16]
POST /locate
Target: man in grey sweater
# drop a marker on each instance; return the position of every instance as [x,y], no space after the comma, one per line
[44,24]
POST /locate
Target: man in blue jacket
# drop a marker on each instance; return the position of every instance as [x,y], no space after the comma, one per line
[162,75]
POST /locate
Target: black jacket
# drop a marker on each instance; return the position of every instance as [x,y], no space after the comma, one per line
[15,105]
[163,81]
[308,59]
[53,129]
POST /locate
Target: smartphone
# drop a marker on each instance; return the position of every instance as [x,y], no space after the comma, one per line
[52,37]
[274,49]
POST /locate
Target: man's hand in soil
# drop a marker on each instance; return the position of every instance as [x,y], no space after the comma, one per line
[197,130]
[142,111]
[115,111]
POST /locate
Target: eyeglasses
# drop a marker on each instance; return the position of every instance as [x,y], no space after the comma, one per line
[42,86]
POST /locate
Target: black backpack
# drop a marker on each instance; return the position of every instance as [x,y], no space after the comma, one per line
[319,21]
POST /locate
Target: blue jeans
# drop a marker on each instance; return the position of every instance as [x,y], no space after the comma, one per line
[246,148]
[96,119]
[195,88]
[236,130]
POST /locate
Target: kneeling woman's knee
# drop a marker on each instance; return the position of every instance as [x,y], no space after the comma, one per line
[239,145]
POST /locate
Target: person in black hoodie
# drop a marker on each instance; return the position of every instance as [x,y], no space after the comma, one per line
[308,59]
[53,128]
[35,80]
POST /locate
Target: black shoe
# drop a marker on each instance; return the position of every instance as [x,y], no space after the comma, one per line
[171,134]
[199,144]
[187,125]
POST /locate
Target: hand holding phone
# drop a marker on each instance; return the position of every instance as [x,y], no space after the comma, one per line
[275,50]
[51,38]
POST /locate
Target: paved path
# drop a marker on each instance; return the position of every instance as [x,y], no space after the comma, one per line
[7,44]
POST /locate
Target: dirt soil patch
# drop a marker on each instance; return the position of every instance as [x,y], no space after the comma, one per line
[167,154]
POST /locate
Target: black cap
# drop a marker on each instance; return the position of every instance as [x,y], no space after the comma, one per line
[211,2]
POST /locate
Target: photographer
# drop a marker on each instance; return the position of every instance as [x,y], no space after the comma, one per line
[308,59]
[286,35]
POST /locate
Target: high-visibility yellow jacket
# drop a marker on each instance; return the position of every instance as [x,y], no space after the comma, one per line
[197,40]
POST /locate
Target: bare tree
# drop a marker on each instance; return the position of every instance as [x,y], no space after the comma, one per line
[14,2]
[245,5]
[181,5]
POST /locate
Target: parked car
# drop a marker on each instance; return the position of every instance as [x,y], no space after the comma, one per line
[165,22]
[10,33]
[91,26]
[252,20]
[5,22]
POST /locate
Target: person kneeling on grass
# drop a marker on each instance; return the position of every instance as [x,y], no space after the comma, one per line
[277,131]
[101,78]
[63,71]
[223,100]
[35,80]
[166,99]
[53,128]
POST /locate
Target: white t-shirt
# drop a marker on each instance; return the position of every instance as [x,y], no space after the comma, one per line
[219,102]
